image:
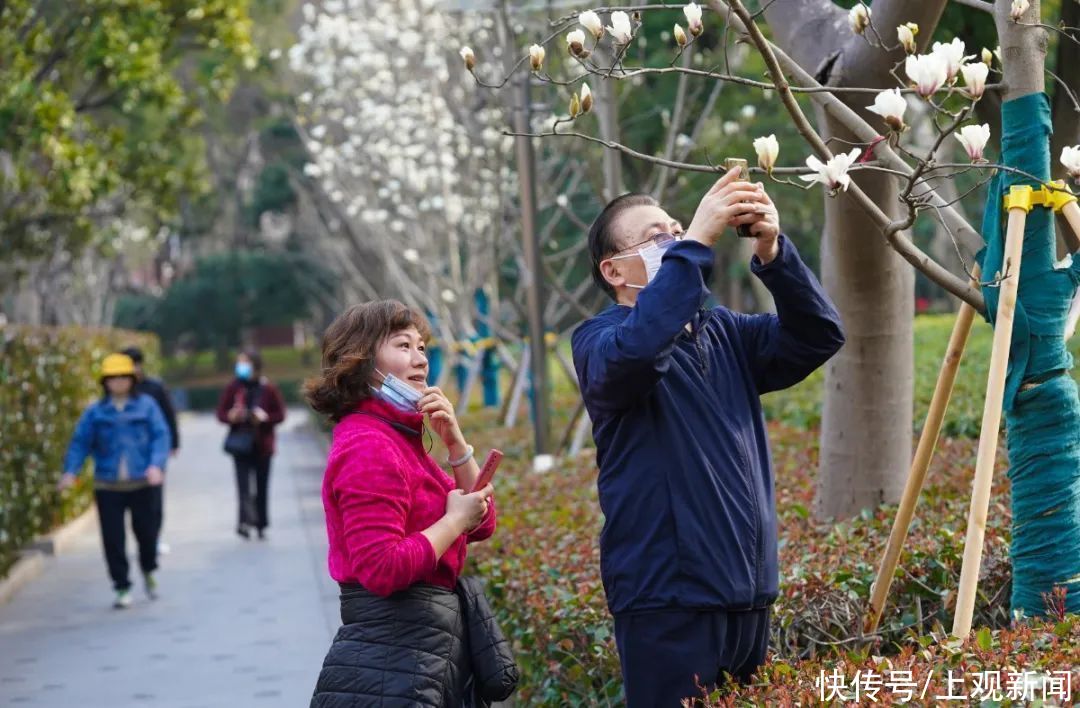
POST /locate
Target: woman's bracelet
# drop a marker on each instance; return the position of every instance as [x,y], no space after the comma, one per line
[463,459]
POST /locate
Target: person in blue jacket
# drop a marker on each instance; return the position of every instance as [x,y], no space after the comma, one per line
[126,434]
[689,544]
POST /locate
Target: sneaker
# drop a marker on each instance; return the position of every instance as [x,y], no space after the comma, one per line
[151,585]
[242,530]
[123,600]
[262,534]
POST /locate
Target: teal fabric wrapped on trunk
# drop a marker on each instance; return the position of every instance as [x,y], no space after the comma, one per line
[1043,421]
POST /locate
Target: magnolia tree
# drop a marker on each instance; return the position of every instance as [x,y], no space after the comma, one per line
[414,163]
[870,75]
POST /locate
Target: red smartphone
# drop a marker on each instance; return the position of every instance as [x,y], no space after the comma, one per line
[487,472]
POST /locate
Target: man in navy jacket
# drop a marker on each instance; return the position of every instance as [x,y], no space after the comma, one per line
[689,544]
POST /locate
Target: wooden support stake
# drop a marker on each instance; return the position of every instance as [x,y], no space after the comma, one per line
[519,388]
[928,440]
[1072,215]
[991,423]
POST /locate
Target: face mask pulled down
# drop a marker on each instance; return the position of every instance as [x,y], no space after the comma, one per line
[397,393]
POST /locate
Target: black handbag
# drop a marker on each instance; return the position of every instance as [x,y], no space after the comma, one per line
[240,442]
[494,671]
[242,439]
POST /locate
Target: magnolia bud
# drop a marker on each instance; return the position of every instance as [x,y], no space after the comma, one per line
[575,43]
[586,98]
[575,106]
[680,36]
[469,57]
[536,56]
[987,57]
[859,18]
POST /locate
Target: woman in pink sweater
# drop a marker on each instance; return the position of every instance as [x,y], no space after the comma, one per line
[398,524]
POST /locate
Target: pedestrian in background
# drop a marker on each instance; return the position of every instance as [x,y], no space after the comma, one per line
[155,388]
[126,434]
[252,407]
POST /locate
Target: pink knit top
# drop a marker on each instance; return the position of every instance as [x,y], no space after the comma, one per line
[380,490]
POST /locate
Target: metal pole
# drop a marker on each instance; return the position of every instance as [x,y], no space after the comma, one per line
[534,280]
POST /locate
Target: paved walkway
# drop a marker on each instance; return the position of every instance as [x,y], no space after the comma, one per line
[238,624]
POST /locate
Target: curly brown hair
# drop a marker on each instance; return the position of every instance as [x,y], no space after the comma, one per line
[348,354]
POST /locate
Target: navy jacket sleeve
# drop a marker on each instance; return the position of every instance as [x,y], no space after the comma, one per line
[156,389]
[783,349]
[618,362]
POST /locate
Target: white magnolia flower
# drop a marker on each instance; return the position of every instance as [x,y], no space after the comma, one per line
[952,54]
[591,21]
[974,139]
[906,34]
[469,57]
[411,255]
[680,36]
[575,42]
[693,18]
[1019,7]
[536,56]
[586,99]
[1070,158]
[833,174]
[620,29]
[975,74]
[448,296]
[730,127]
[890,105]
[748,111]
[767,148]
[927,71]
[859,18]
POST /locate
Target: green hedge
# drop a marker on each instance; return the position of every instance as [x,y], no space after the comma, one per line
[800,406]
[47,377]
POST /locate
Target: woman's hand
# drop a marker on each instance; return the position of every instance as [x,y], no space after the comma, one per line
[437,407]
[467,511]
[155,476]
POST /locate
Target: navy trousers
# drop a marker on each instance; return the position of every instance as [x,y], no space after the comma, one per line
[662,652]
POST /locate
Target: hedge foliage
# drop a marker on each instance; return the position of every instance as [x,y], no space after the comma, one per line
[801,406]
[47,377]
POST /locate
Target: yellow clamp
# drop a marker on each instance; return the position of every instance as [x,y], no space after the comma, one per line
[1058,198]
[1022,196]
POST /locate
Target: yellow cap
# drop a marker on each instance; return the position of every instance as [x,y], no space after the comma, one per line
[117,365]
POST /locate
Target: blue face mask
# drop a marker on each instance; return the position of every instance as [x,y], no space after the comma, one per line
[397,393]
[244,370]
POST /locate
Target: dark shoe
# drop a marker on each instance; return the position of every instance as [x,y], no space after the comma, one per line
[262,534]
[243,531]
[151,584]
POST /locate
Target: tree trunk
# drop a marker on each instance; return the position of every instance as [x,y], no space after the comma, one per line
[868,402]
[867,416]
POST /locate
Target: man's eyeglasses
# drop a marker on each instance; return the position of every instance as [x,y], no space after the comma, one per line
[659,240]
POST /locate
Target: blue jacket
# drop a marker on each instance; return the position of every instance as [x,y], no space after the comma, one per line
[685,474]
[138,434]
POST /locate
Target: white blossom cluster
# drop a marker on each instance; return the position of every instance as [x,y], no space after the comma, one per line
[400,140]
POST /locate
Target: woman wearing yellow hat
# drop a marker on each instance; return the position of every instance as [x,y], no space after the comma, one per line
[126,434]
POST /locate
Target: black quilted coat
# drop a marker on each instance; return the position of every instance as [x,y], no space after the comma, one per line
[415,648]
